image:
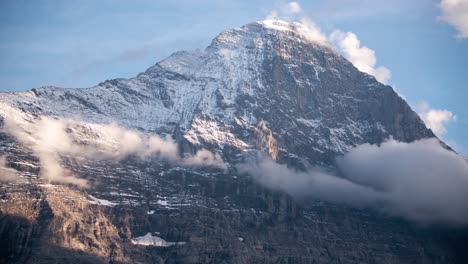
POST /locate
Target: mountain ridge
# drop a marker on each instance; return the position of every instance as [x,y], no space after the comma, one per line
[263,87]
[224,83]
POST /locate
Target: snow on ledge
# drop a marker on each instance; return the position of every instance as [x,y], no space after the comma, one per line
[101,201]
[150,240]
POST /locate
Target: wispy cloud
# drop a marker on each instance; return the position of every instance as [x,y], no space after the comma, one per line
[293,8]
[419,181]
[290,11]
[455,13]
[51,138]
[313,32]
[7,174]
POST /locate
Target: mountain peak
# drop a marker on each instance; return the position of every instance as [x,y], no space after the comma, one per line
[280,73]
[305,29]
[271,87]
[278,24]
[288,32]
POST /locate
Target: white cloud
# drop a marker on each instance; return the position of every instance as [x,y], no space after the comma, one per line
[51,138]
[205,158]
[455,13]
[7,174]
[361,56]
[290,11]
[293,8]
[272,15]
[419,181]
[312,32]
[435,119]
[346,42]
[313,183]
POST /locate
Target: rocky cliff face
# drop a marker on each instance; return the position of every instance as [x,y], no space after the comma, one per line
[262,87]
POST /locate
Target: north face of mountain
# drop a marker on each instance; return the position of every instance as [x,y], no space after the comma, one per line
[264,87]
[265,77]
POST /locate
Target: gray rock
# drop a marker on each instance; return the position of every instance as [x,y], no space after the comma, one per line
[266,90]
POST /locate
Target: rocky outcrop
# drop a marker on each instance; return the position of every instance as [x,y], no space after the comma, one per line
[55,223]
[267,140]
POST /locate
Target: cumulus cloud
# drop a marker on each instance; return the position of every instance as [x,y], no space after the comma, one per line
[435,119]
[419,181]
[293,8]
[7,174]
[455,13]
[51,138]
[361,56]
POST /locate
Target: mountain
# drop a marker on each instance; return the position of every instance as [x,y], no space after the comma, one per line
[264,87]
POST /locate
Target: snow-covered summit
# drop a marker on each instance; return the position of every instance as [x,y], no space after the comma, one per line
[270,85]
[305,29]
[262,87]
[276,24]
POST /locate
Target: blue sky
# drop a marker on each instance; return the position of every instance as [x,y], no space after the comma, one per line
[81,43]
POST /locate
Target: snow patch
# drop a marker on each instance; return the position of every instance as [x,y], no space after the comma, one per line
[150,240]
[101,201]
[310,122]
[212,132]
[162,202]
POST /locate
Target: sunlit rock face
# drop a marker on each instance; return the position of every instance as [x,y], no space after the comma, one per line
[264,87]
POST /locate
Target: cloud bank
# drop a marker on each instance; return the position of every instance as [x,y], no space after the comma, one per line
[435,119]
[50,139]
[455,13]
[419,181]
[313,183]
[360,56]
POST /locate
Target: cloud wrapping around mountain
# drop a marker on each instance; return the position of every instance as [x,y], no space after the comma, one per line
[51,138]
[419,181]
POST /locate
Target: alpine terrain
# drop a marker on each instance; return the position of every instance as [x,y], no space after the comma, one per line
[149,169]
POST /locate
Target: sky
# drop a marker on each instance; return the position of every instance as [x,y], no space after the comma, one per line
[419,47]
